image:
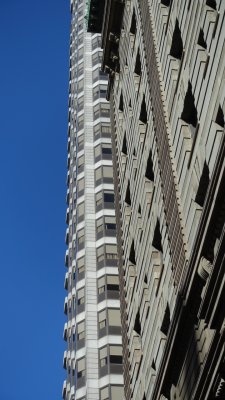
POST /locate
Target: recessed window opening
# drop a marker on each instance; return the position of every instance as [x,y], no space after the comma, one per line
[137,324]
[133,26]
[127,198]
[143,113]
[201,39]
[203,186]
[132,256]
[149,174]
[220,117]
[189,113]
[176,50]
[137,69]
[157,239]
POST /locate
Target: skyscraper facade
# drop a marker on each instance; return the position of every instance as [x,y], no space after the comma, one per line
[166,68]
[93,359]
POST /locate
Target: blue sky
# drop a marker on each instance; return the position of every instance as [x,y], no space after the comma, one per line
[34,45]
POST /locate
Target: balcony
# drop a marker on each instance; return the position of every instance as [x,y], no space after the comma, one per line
[67,236]
[64,359]
[67,258]
[66,281]
[65,305]
[65,331]
[67,215]
[64,390]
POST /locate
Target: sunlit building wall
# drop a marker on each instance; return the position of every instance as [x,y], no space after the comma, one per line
[93,358]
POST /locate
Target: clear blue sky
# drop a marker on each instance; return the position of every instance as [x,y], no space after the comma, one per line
[34,54]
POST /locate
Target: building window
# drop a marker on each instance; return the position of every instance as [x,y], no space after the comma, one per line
[81,368]
[81,70]
[133,26]
[189,113]
[80,239]
[80,296]
[80,212]
[143,114]
[132,256]
[80,186]
[80,265]
[80,86]
[80,104]
[109,322]
[96,42]
[95,75]
[117,392]
[108,283]
[102,319]
[107,254]
[220,117]
[81,330]
[203,186]
[137,68]
[149,174]
[80,142]
[103,174]
[201,39]
[127,197]
[176,50]
[115,354]
[104,393]
[104,200]
[80,164]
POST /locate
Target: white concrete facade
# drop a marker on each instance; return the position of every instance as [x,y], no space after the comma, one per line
[93,359]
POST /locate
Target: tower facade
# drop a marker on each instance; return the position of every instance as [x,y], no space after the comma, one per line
[167,95]
[93,359]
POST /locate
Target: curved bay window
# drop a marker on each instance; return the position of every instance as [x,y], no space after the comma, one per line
[103,152]
[106,226]
[104,199]
[107,255]
[110,360]
[80,329]
[109,322]
[103,174]
[112,392]
[108,287]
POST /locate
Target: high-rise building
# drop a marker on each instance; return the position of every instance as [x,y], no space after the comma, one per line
[166,65]
[93,359]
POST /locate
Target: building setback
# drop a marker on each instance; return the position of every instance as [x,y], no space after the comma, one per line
[166,65]
[93,359]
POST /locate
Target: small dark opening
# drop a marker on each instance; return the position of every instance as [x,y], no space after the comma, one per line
[133,24]
[176,50]
[121,103]
[189,113]
[166,321]
[124,147]
[137,324]
[220,117]
[211,3]
[146,279]
[132,257]
[143,113]
[165,2]
[139,209]
[153,364]
[127,198]
[203,186]
[149,174]
[137,69]
[157,239]
[201,39]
